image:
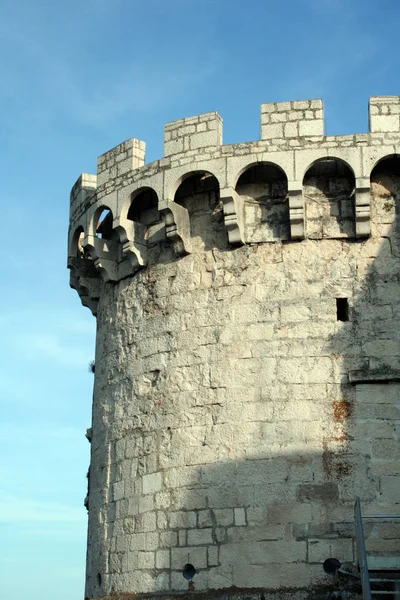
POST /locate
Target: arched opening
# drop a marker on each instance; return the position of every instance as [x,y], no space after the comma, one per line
[150,229]
[76,248]
[385,194]
[264,188]
[199,194]
[103,223]
[144,207]
[329,196]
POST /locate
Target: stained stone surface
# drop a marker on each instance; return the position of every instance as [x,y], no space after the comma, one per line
[235,415]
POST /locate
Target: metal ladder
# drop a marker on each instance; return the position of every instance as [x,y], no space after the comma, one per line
[378,580]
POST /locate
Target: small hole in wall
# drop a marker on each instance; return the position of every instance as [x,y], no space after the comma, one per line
[331,566]
[99,579]
[342,309]
[188,571]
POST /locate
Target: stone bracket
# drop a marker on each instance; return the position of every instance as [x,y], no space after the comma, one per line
[85,279]
[363,207]
[296,210]
[177,226]
[132,237]
[233,206]
[104,255]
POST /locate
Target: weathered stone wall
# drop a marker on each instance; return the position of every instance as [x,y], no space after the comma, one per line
[235,418]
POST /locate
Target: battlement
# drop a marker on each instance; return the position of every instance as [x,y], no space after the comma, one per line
[293,183]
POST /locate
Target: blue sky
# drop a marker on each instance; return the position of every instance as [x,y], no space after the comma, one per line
[78,78]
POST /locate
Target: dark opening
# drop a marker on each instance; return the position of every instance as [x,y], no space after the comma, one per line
[99,578]
[188,571]
[144,207]
[342,309]
[331,565]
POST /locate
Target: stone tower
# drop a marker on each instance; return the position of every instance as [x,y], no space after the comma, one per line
[247,357]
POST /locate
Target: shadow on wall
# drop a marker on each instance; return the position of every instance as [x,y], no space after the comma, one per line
[199,194]
[264,188]
[254,486]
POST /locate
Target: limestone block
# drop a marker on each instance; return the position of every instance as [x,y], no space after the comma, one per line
[313,127]
[319,549]
[182,519]
[163,559]
[195,556]
[220,577]
[146,560]
[193,133]
[152,483]
[277,552]
[270,132]
[384,114]
[199,537]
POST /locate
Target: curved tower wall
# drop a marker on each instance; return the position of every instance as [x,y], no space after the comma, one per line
[247,356]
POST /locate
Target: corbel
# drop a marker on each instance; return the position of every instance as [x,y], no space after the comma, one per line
[363,207]
[131,235]
[177,226]
[104,255]
[296,210]
[233,207]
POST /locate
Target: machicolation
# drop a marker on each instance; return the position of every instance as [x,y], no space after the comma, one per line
[247,383]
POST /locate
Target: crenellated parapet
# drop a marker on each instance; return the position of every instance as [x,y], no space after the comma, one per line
[292,184]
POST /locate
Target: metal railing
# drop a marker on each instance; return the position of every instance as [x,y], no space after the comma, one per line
[362,562]
[361,552]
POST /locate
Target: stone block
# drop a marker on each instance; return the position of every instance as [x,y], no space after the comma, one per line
[146,503]
[264,553]
[224,516]
[240,517]
[390,489]
[324,492]
[151,483]
[199,537]
[163,559]
[204,518]
[291,130]
[319,550]
[182,519]
[213,556]
[195,556]
[269,132]
[118,490]
[311,128]
[146,560]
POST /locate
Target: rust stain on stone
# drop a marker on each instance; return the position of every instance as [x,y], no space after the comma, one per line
[342,410]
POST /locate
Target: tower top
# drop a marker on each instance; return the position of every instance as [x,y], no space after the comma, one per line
[292,141]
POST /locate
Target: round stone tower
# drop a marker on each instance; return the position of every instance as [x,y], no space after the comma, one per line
[247,356]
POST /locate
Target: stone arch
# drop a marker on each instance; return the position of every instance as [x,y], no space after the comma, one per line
[101,225]
[199,193]
[329,198]
[264,189]
[75,249]
[385,194]
[143,206]
[148,224]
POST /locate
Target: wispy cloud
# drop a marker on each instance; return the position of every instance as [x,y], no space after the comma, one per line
[14,509]
[139,81]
